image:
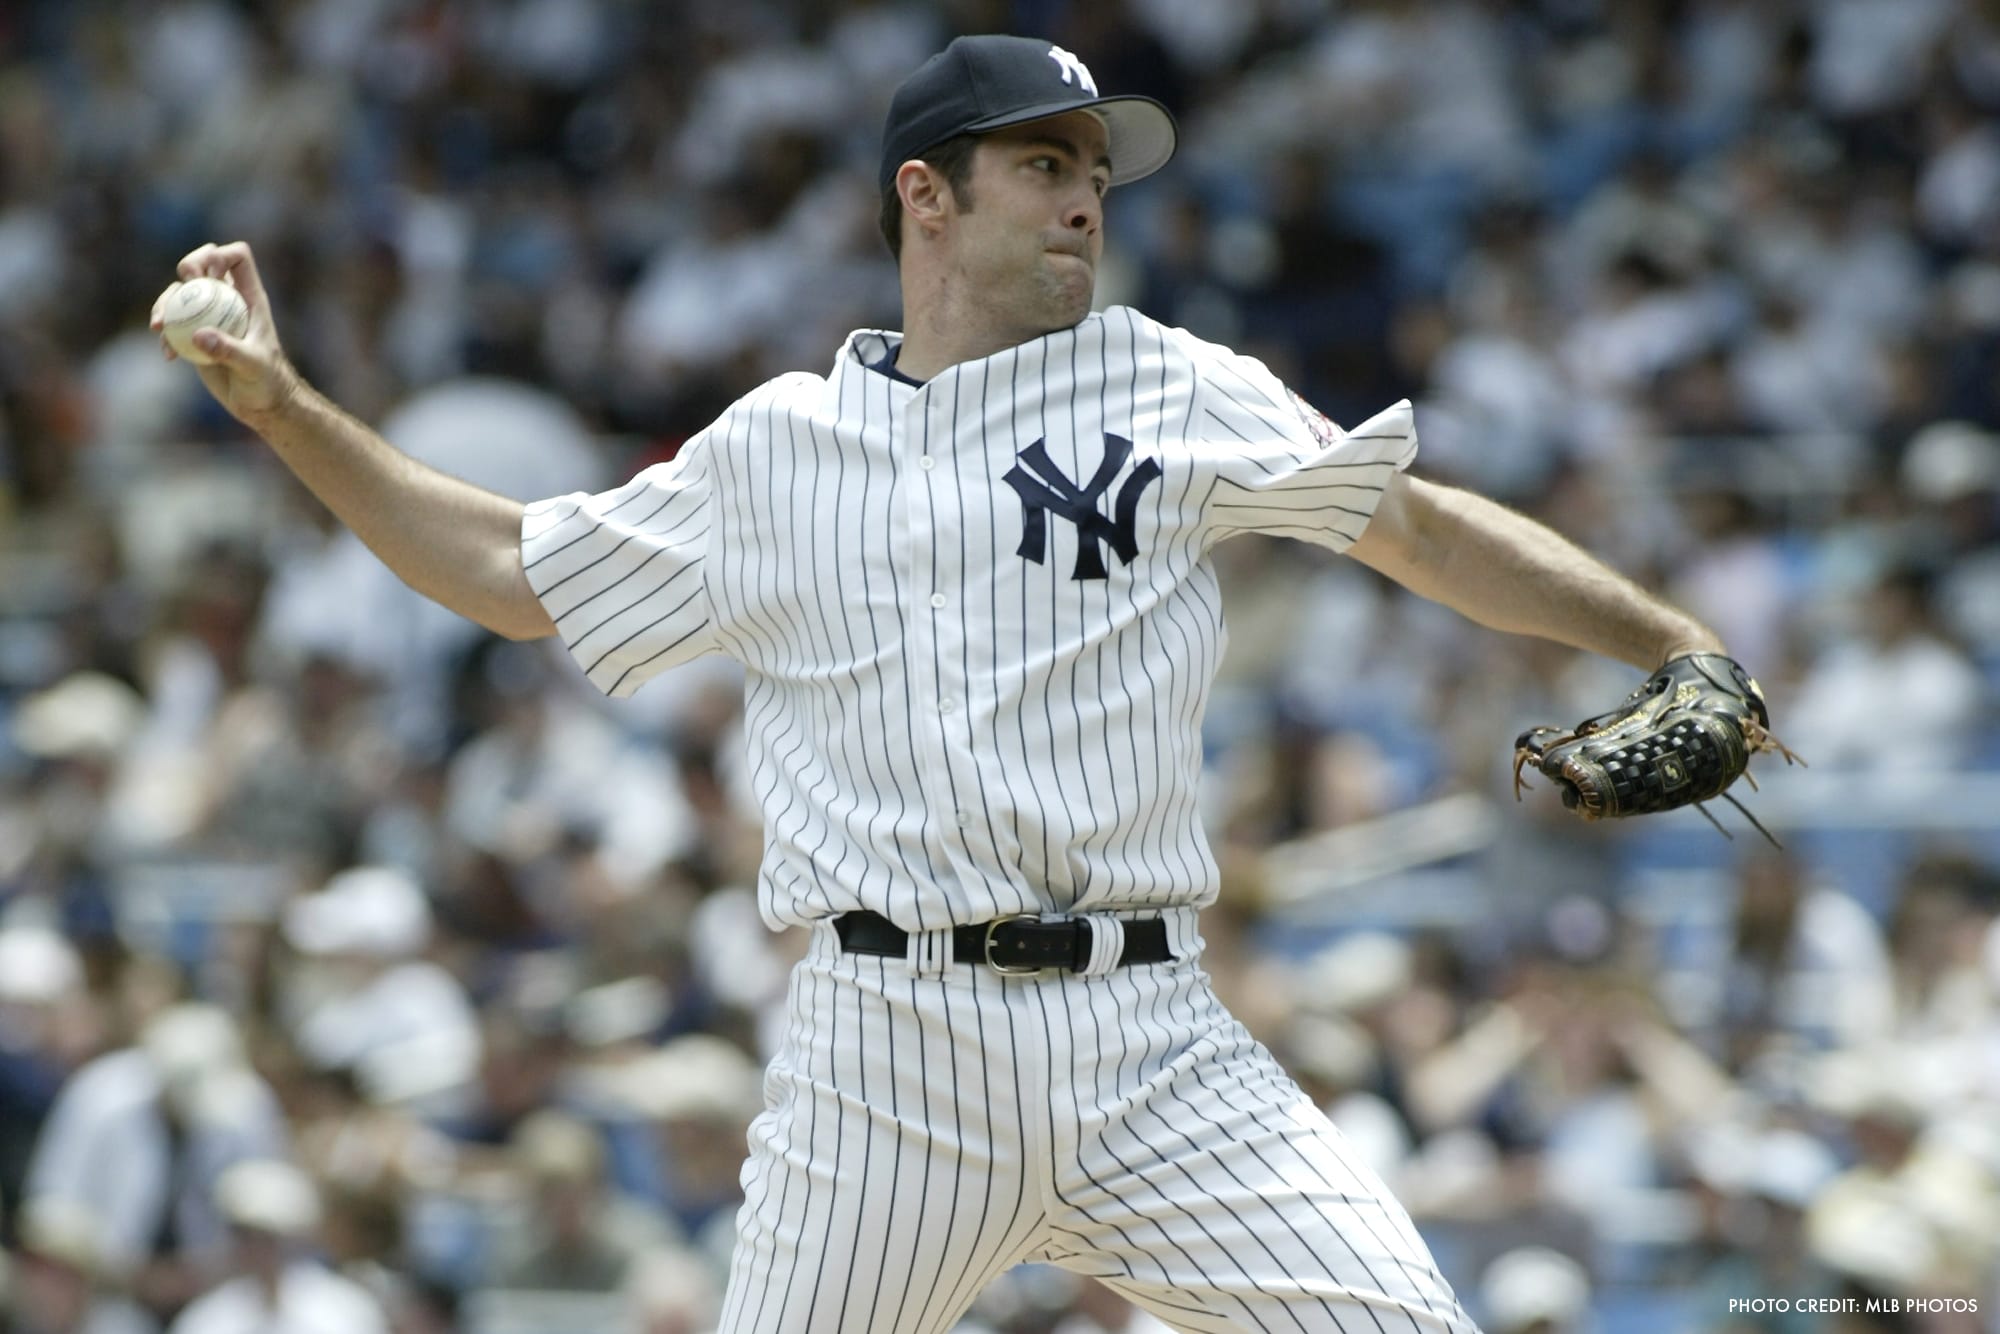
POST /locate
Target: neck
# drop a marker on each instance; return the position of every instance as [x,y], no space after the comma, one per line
[936,338]
[945,323]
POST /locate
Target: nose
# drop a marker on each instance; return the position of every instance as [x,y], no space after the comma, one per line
[1086,213]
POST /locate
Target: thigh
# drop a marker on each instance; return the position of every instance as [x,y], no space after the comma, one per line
[1209,1190]
[885,1181]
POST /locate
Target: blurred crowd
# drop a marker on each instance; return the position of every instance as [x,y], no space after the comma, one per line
[357,965]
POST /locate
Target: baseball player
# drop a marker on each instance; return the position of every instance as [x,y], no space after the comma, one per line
[968,575]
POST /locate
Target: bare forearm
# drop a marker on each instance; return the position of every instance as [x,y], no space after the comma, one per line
[456,544]
[451,541]
[1504,570]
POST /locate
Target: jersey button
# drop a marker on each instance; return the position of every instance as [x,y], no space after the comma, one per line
[927,463]
[964,818]
[947,705]
[937,599]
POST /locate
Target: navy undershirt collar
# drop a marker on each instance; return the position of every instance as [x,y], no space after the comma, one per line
[887,366]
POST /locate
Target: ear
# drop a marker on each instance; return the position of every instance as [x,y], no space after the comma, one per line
[927,198]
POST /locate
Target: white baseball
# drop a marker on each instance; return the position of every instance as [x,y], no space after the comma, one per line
[201,303]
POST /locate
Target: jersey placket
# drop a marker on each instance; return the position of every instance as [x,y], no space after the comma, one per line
[937,621]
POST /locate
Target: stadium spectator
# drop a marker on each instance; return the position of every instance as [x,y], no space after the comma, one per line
[273,1212]
[1714,286]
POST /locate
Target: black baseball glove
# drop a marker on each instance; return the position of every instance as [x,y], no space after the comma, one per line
[1678,740]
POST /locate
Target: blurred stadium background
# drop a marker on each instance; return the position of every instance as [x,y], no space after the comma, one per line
[1711,285]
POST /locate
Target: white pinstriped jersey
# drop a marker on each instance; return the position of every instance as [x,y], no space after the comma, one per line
[978,617]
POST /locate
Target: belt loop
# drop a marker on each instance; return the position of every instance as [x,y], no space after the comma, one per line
[930,953]
[1107,944]
[1183,932]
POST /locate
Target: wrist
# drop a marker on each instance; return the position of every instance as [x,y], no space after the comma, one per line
[1697,639]
[287,397]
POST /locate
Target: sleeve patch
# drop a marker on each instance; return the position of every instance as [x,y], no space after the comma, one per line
[1323,430]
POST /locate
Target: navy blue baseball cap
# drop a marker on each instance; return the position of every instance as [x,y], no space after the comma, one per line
[978,84]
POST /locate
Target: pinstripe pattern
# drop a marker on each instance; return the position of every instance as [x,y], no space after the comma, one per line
[941,730]
[956,711]
[1122,1127]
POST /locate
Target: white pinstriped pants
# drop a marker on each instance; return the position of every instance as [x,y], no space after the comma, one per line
[922,1134]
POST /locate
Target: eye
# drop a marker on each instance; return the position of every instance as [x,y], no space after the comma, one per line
[1047,164]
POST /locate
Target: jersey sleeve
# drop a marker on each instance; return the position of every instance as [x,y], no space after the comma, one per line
[1280,466]
[621,572]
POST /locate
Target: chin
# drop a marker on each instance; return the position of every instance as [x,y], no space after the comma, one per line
[1074,315]
[1057,322]
[1069,301]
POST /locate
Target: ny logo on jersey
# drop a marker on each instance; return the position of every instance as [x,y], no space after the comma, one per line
[1072,69]
[1043,486]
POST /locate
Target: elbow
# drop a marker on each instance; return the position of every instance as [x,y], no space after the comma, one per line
[1399,539]
[521,624]
[516,612]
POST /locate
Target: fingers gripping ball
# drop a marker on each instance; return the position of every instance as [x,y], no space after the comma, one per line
[1680,739]
[201,303]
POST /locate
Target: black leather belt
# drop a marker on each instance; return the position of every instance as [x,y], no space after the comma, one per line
[1009,944]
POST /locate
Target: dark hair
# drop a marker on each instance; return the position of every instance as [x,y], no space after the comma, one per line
[953,159]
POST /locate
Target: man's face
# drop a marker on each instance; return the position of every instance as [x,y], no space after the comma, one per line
[258,1251]
[1029,246]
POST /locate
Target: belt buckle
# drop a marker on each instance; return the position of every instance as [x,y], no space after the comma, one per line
[1016,970]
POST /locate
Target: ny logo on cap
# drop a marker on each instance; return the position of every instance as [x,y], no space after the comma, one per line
[1072,69]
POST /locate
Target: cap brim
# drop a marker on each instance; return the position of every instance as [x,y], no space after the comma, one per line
[1142,131]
